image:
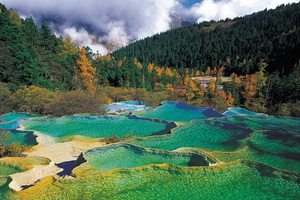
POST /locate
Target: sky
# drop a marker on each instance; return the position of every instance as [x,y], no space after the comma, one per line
[104,25]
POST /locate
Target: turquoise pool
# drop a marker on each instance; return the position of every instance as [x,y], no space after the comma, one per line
[129,156]
[178,112]
[98,126]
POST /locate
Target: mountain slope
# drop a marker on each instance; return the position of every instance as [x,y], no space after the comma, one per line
[239,44]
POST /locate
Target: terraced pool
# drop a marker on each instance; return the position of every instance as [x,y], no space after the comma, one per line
[99,126]
[200,133]
[15,115]
[259,154]
[178,112]
[241,112]
[236,180]
[14,120]
[129,156]
[26,138]
[5,171]
[275,141]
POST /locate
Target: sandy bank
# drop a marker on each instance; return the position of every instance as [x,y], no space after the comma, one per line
[30,177]
[57,152]
[61,152]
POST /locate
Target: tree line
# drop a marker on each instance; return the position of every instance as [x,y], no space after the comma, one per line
[45,74]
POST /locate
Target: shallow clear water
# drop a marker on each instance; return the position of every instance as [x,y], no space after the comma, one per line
[6,170]
[13,120]
[126,106]
[15,115]
[271,140]
[97,126]
[239,180]
[123,171]
[241,112]
[129,156]
[26,138]
[14,124]
[201,133]
[178,112]
[4,189]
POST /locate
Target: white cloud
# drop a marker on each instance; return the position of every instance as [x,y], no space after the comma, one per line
[82,37]
[215,10]
[113,21]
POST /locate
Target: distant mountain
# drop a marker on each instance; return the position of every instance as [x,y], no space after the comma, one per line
[186,23]
[272,36]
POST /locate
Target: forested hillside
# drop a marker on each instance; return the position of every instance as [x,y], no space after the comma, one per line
[32,55]
[238,44]
[47,74]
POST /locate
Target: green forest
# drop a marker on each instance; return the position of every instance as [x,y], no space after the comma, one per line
[257,54]
[238,44]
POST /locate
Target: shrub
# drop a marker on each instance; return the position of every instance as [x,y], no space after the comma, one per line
[75,102]
[289,109]
[33,99]
[5,95]
[14,149]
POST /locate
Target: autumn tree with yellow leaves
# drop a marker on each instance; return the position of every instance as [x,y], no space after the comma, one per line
[85,73]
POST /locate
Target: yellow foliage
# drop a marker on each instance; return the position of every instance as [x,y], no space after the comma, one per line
[211,86]
[201,91]
[15,18]
[33,99]
[86,73]
[230,100]
[168,71]
[137,63]
[193,85]
[150,67]
[68,47]
[208,71]
[170,89]
[250,88]
[159,71]
[120,63]
[222,95]
[105,58]
[214,71]
[198,73]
